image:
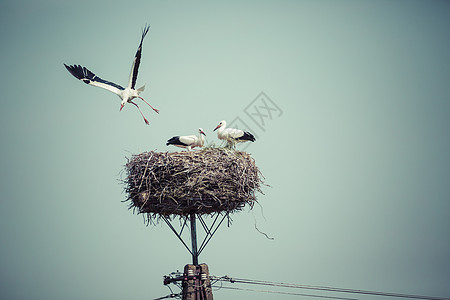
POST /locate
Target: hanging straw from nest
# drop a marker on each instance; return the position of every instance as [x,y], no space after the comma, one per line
[202,182]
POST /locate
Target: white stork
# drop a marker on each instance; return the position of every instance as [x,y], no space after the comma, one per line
[188,142]
[231,135]
[126,94]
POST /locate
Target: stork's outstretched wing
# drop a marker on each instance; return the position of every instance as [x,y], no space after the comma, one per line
[88,77]
[137,60]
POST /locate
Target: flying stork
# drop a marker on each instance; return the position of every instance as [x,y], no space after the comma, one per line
[231,135]
[126,94]
[188,142]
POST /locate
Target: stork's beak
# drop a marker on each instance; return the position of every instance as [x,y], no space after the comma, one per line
[121,106]
[218,126]
[203,133]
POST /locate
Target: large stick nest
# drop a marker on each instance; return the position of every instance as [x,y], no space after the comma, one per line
[202,182]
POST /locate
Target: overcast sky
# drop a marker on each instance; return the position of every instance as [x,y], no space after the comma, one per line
[352,137]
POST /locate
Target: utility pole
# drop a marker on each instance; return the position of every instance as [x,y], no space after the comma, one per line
[196,283]
[194,240]
[195,279]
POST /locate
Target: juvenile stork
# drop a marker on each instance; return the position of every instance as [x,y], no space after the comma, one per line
[126,94]
[231,135]
[188,142]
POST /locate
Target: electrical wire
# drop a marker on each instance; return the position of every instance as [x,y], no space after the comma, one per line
[286,293]
[169,296]
[325,288]
[170,289]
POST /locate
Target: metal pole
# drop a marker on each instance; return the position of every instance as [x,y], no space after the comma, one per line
[194,240]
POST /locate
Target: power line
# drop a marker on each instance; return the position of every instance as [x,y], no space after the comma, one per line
[286,293]
[326,288]
[169,296]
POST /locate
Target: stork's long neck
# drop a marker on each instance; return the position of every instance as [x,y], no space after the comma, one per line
[201,139]
[221,129]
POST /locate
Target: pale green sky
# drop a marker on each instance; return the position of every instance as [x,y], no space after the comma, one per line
[358,162]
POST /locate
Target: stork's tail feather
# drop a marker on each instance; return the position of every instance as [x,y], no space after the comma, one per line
[141,89]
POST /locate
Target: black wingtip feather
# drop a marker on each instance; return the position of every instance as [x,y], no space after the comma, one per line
[87,76]
[248,137]
[80,72]
[75,70]
[145,31]
[137,58]
[175,141]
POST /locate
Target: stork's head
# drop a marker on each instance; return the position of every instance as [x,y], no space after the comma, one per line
[122,104]
[200,130]
[222,123]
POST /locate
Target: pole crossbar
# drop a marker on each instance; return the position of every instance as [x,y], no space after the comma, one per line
[206,240]
[176,233]
[205,227]
[209,232]
[182,227]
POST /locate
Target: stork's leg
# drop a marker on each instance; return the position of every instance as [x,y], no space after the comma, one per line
[156,110]
[231,143]
[146,121]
